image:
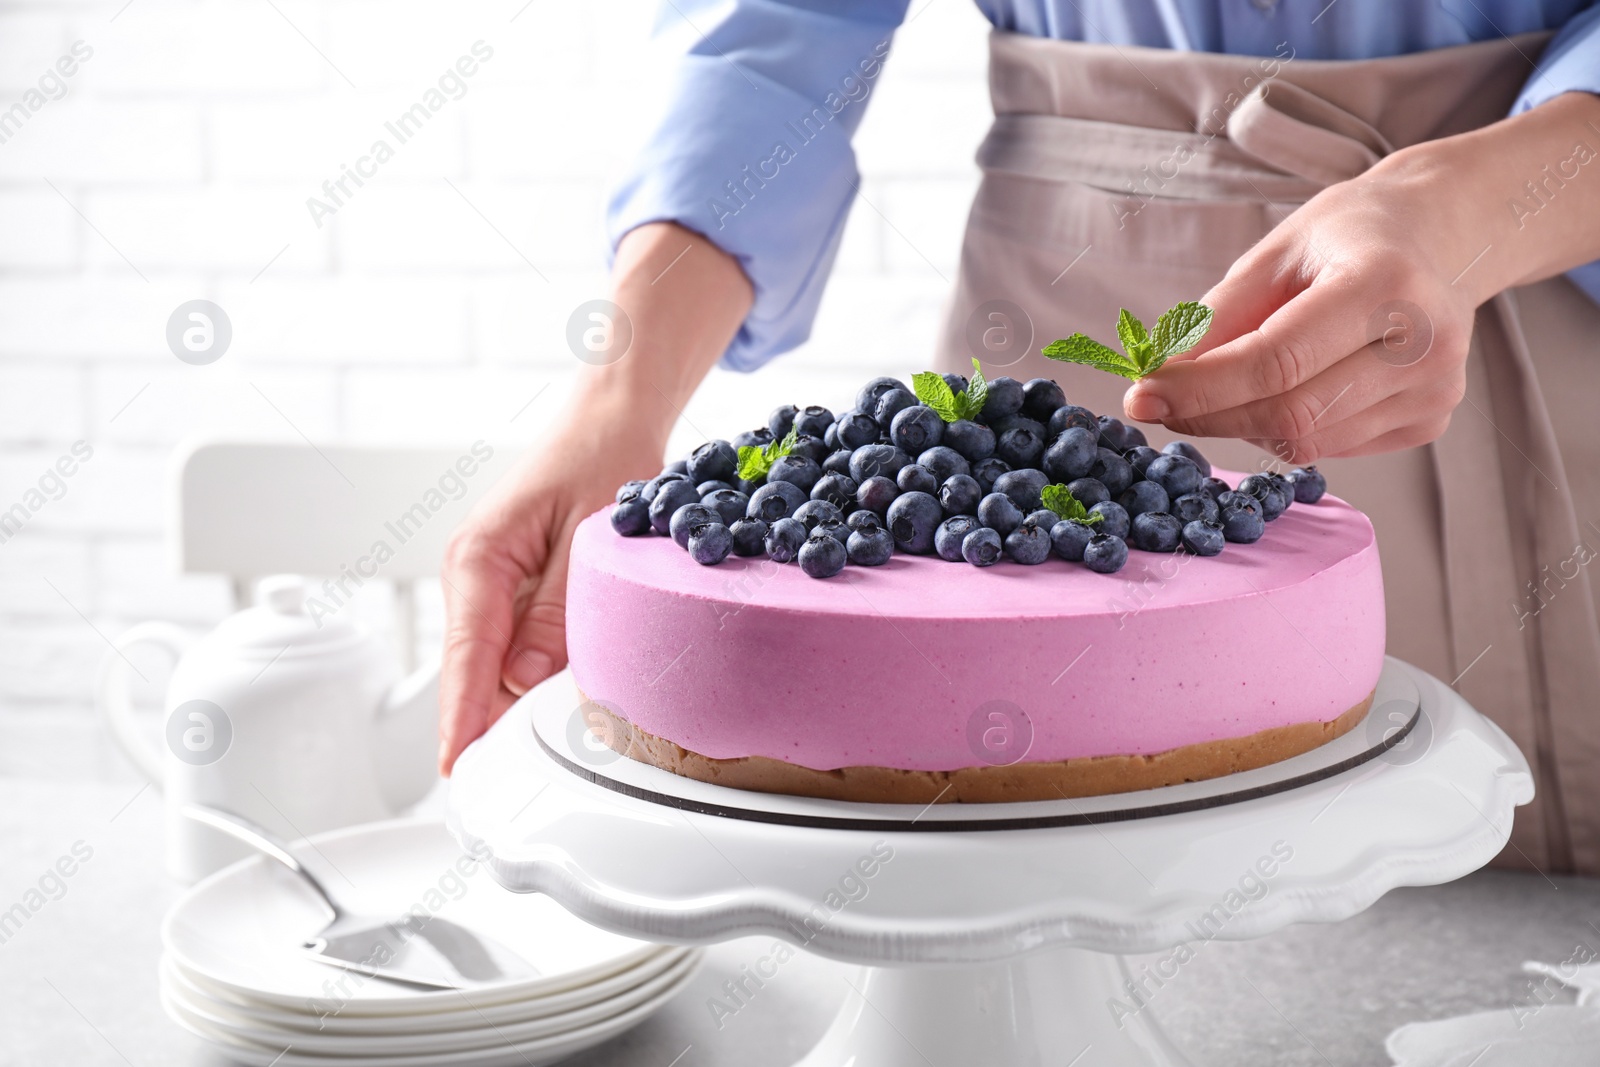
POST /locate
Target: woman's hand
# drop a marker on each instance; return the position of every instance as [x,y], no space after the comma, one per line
[505,571]
[1345,330]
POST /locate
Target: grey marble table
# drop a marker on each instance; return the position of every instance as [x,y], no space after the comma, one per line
[78,962]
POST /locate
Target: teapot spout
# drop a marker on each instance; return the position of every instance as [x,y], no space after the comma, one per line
[407,738]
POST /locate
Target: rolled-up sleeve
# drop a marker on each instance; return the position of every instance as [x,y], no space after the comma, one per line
[1571,62]
[752,147]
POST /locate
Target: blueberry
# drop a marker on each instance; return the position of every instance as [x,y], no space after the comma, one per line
[891,404]
[956,382]
[856,429]
[1000,513]
[1191,453]
[784,539]
[774,501]
[838,462]
[810,446]
[1004,398]
[752,438]
[1111,471]
[912,519]
[988,471]
[781,421]
[862,519]
[876,494]
[1242,525]
[687,517]
[867,398]
[677,466]
[1067,416]
[914,477]
[714,460]
[1015,422]
[1028,543]
[830,436]
[631,517]
[869,461]
[1214,488]
[973,440]
[1176,474]
[951,532]
[981,547]
[837,529]
[1115,436]
[815,512]
[959,495]
[730,504]
[797,470]
[709,543]
[870,548]
[1309,484]
[1139,458]
[706,488]
[1024,487]
[1044,518]
[1134,436]
[1233,500]
[630,491]
[748,487]
[944,462]
[822,556]
[1263,488]
[1193,507]
[916,429]
[648,491]
[1020,447]
[1156,531]
[837,489]
[1088,491]
[1105,553]
[1114,518]
[1203,537]
[1040,398]
[1142,498]
[749,537]
[813,419]
[1071,455]
[668,499]
[1284,486]
[1069,538]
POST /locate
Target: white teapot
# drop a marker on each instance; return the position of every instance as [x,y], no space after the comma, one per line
[297,724]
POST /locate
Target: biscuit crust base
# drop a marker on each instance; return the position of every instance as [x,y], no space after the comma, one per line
[1085,776]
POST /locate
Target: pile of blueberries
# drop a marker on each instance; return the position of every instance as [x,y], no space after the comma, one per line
[891,475]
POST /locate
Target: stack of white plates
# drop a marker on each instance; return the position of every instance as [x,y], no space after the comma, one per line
[233,972]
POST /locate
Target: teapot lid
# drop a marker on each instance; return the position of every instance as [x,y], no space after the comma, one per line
[283,618]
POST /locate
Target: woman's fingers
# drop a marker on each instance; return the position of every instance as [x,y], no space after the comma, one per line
[539,645]
[1400,421]
[479,582]
[1303,338]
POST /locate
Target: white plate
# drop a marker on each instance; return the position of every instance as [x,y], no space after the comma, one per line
[486,1035]
[241,928]
[535,1052]
[468,1016]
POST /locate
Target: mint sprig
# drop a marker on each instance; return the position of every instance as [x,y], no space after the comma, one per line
[949,405]
[1143,352]
[1059,499]
[756,460]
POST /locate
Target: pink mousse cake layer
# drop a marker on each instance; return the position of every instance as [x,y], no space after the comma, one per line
[887,666]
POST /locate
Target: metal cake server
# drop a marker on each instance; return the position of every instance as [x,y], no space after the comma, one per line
[427,951]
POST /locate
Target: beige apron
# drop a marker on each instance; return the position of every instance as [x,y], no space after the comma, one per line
[1486,535]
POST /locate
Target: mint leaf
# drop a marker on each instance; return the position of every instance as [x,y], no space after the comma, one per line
[1091,353]
[935,392]
[1130,331]
[1059,499]
[1180,329]
[756,460]
[971,399]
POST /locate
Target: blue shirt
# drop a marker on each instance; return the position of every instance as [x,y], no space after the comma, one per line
[753,145]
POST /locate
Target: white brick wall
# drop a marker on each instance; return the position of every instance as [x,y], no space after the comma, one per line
[175,165]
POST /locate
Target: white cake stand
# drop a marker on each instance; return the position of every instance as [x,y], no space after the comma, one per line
[993,934]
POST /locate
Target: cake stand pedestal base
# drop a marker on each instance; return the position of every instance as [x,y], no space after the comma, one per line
[994,935]
[1057,1003]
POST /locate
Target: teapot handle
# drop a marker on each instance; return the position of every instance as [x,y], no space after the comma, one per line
[115,704]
